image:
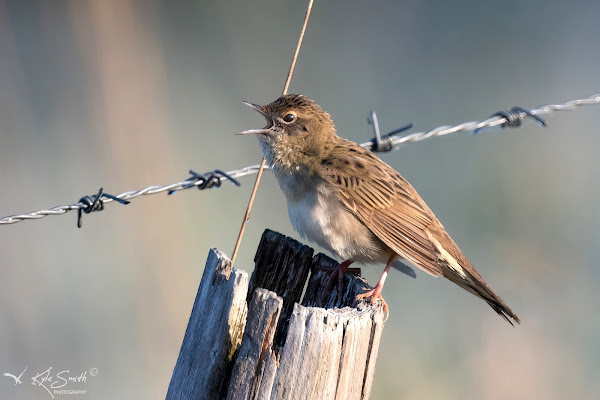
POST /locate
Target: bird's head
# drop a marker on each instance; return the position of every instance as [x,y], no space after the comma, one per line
[297,130]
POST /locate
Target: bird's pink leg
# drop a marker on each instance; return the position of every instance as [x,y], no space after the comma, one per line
[375,293]
[339,272]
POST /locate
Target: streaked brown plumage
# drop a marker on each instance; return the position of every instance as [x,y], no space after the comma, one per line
[346,199]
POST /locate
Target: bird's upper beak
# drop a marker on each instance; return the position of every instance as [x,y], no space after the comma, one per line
[266,129]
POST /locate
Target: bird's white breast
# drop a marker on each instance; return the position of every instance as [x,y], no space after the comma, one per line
[319,216]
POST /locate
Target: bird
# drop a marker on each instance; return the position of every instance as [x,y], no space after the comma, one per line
[347,200]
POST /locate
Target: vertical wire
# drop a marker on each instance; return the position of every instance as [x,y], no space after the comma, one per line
[264,161]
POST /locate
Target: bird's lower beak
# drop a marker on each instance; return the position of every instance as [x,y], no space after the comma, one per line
[254,132]
[263,131]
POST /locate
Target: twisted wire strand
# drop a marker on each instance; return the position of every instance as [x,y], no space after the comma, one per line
[394,144]
[182,185]
[479,126]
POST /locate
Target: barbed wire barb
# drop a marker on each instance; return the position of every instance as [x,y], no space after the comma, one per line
[388,142]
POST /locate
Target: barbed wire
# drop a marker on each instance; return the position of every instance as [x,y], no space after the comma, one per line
[380,143]
[391,141]
[96,202]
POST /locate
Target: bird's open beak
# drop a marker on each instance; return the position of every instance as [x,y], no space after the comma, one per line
[264,130]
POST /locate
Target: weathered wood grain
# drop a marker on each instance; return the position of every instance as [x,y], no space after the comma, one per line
[328,354]
[291,347]
[213,334]
[257,345]
[319,295]
[282,265]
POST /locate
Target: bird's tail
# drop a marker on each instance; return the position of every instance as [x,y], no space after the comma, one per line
[474,283]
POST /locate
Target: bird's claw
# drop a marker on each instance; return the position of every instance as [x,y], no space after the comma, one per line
[338,272]
[372,296]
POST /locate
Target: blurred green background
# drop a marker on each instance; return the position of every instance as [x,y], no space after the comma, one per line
[126,94]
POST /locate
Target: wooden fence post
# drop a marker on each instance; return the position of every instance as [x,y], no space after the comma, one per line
[282,345]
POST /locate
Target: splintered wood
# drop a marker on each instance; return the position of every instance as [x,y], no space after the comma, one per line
[284,345]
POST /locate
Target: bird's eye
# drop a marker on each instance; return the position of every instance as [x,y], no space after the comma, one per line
[289,117]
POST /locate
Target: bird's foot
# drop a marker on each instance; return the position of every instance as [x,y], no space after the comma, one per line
[337,272]
[372,296]
[375,293]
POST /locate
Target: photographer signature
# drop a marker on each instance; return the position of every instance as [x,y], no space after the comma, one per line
[54,383]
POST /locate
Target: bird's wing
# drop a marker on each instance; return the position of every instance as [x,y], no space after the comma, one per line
[384,201]
[389,206]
